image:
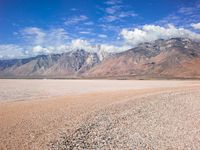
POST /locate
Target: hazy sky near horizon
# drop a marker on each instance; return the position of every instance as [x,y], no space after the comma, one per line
[31,27]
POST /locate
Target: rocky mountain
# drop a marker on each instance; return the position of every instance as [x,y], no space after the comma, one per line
[173,58]
[69,64]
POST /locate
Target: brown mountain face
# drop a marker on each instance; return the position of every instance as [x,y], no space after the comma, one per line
[173,58]
[64,65]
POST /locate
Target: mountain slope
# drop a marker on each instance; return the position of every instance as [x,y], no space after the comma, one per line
[173,58]
[55,65]
[164,58]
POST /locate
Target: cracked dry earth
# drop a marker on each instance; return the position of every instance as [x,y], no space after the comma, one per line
[153,118]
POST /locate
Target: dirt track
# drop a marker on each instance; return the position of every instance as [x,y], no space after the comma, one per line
[147,118]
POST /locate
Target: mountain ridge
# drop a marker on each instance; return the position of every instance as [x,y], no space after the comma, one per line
[172,58]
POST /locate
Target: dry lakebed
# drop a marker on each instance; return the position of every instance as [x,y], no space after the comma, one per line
[99,114]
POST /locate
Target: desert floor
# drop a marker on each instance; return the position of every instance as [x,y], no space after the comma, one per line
[99,114]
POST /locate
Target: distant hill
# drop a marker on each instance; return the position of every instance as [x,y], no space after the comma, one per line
[173,58]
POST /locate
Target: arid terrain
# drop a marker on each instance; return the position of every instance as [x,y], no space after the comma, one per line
[166,59]
[99,114]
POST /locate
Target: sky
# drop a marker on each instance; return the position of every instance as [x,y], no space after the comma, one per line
[34,27]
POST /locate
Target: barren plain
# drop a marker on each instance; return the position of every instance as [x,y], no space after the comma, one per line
[99,114]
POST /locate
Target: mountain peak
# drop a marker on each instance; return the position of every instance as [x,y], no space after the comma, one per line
[176,57]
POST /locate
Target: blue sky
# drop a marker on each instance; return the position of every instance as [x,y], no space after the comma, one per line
[31,27]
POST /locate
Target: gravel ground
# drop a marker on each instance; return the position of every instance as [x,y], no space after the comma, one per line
[165,117]
[169,120]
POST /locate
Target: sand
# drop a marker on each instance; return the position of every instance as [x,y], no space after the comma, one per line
[99,114]
[19,90]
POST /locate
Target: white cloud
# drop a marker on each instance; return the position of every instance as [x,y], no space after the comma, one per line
[111,18]
[110,10]
[113,9]
[102,36]
[186,10]
[75,20]
[113,2]
[57,40]
[72,46]
[40,49]
[149,33]
[80,44]
[184,16]
[89,23]
[56,36]
[9,51]
[118,16]
[116,11]
[34,33]
[39,41]
[108,48]
[127,14]
[85,32]
[37,36]
[86,45]
[108,27]
[196,25]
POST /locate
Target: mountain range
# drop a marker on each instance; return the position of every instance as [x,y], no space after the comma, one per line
[172,58]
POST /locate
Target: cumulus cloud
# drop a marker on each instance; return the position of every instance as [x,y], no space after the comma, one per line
[86,45]
[57,40]
[80,44]
[40,49]
[149,33]
[196,25]
[103,47]
[39,41]
[9,51]
[75,44]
